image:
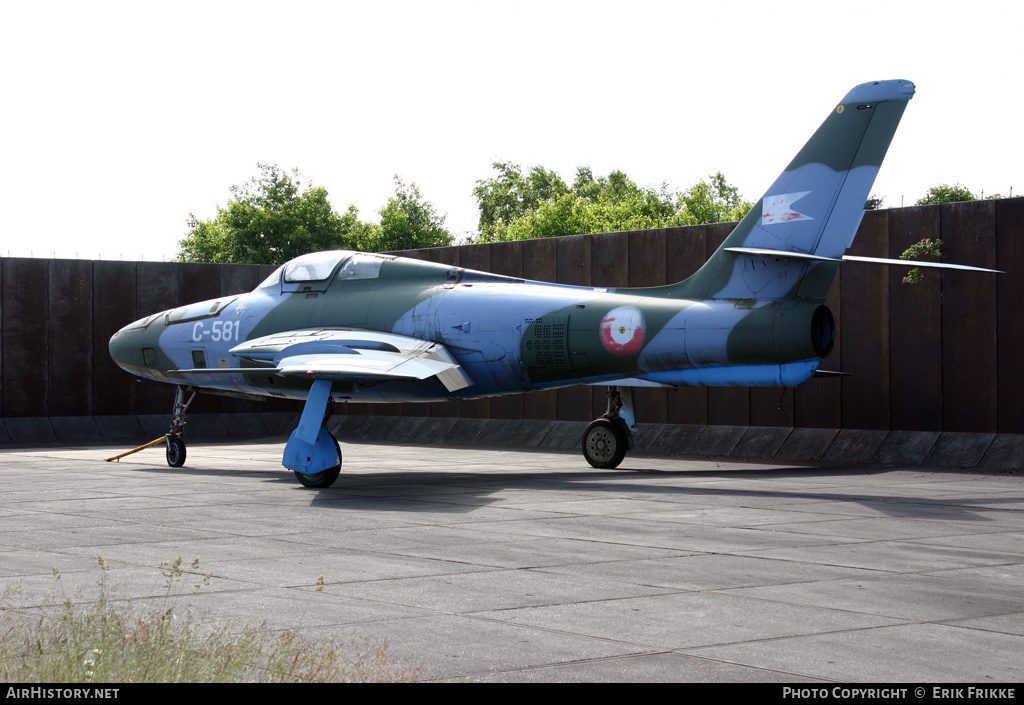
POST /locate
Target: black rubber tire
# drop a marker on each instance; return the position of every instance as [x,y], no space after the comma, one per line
[175,451]
[605,443]
[325,478]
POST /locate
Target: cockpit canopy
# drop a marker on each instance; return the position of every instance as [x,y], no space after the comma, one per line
[313,272]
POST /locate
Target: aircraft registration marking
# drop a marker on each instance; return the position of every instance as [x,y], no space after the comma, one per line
[219,331]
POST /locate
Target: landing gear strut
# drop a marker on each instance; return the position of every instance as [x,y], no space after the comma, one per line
[312,453]
[607,439]
[175,444]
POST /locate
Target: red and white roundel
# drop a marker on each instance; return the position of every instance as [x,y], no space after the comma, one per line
[623,330]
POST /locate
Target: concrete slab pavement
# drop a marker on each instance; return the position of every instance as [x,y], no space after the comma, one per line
[506,565]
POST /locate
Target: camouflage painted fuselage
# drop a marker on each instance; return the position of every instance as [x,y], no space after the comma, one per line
[508,335]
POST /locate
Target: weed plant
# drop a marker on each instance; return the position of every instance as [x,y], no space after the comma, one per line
[108,640]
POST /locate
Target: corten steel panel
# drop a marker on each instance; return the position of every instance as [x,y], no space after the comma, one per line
[771,406]
[69,337]
[647,253]
[969,386]
[915,328]
[238,278]
[25,359]
[264,271]
[446,255]
[715,235]
[817,403]
[540,263]
[728,406]
[198,281]
[157,290]
[609,260]
[647,258]
[476,257]
[573,259]
[685,253]
[572,266]
[865,315]
[1010,288]
[113,305]
[507,259]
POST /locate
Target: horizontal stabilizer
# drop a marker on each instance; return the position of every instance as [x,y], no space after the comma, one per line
[917,263]
[786,254]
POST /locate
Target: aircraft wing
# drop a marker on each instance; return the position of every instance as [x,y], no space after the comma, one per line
[350,354]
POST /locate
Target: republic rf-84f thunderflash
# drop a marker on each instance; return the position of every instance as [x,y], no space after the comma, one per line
[337,326]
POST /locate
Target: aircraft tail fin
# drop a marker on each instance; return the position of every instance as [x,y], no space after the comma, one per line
[791,241]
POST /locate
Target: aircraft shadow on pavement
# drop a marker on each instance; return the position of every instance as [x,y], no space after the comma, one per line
[459,491]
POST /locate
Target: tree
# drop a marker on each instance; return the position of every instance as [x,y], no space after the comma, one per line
[510,195]
[408,222]
[715,201]
[518,207]
[944,193]
[270,220]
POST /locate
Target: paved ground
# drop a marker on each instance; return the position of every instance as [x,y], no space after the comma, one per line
[530,566]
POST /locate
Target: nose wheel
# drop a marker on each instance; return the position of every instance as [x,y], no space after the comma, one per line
[175,451]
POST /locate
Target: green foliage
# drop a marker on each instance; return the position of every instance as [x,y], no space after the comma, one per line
[715,201]
[944,193]
[540,204]
[408,222]
[510,196]
[873,203]
[926,248]
[270,220]
[274,218]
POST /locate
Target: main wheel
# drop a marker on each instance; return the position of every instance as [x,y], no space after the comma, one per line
[605,443]
[324,478]
[175,451]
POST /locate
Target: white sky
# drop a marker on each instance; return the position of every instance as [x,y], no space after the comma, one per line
[120,118]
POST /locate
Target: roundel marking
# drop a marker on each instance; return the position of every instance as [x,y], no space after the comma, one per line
[623,331]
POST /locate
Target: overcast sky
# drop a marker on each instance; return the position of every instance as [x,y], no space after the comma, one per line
[121,118]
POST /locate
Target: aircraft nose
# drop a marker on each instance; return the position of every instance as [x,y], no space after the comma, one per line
[128,346]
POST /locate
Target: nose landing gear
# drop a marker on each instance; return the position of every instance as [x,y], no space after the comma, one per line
[175,444]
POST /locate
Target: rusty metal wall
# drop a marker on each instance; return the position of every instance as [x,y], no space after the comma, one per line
[944,355]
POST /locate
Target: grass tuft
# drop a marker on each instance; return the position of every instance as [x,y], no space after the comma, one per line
[109,641]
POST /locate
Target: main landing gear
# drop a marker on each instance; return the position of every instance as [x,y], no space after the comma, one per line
[312,453]
[607,439]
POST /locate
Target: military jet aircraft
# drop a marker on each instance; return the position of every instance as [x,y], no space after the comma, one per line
[337,326]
